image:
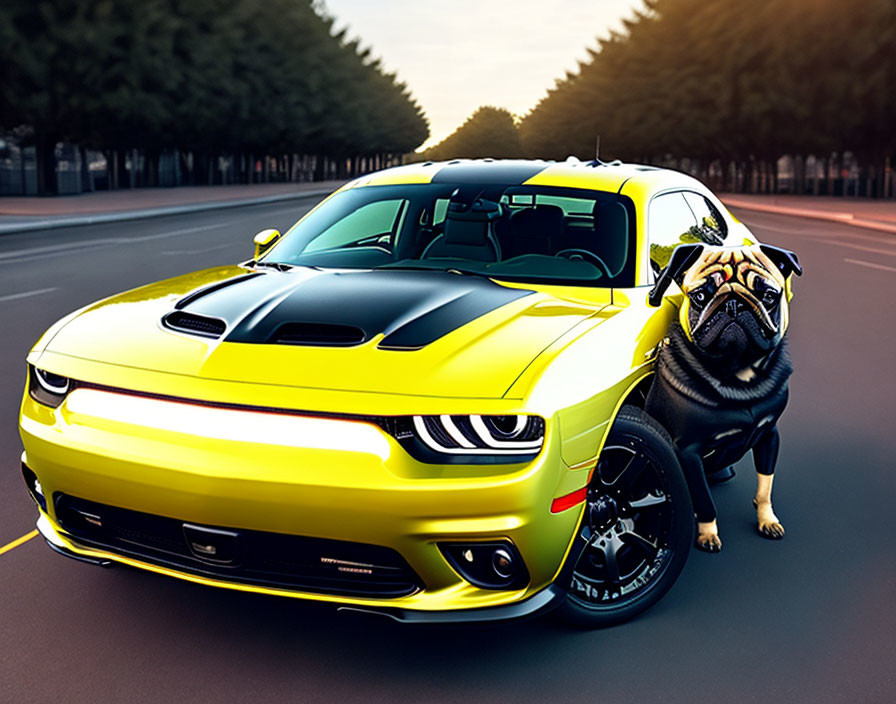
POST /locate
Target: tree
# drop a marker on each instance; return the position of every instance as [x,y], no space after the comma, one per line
[488,132]
[209,77]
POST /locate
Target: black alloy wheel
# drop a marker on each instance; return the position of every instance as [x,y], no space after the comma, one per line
[637,528]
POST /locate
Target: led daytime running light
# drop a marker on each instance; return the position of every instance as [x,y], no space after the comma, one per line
[445,434]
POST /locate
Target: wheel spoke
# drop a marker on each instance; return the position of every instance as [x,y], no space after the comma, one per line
[649,501]
[610,565]
[630,473]
[639,541]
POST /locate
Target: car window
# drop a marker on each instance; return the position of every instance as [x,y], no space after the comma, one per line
[519,233]
[676,218]
[709,220]
[374,224]
[570,206]
[440,209]
[670,222]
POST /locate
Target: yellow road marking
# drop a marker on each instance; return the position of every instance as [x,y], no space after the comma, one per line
[18,541]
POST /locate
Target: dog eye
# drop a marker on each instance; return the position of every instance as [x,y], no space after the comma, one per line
[769,297]
[699,297]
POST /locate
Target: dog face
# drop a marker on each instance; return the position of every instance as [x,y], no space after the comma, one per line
[736,299]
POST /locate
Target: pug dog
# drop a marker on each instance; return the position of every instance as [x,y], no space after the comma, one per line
[722,370]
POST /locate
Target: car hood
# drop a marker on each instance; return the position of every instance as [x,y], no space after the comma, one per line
[407,332]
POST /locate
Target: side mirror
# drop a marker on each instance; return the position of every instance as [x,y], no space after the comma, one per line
[264,240]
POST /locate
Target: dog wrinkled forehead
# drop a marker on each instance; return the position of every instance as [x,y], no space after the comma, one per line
[735,265]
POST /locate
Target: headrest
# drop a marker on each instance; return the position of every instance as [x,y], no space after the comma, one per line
[468,224]
[540,221]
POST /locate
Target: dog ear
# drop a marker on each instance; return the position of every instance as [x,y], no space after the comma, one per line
[786,261]
[681,260]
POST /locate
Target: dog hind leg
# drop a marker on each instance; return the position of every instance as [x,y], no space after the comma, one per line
[707,527]
[765,456]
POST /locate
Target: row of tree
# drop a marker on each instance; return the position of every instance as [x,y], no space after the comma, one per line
[725,89]
[488,132]
[204,77]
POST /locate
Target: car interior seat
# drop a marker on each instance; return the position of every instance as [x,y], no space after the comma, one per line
[469,232]
[533,230]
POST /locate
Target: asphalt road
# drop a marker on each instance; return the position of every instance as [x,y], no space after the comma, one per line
[807,619]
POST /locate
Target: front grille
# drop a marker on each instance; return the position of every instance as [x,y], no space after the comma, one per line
[196,324]
[297,562]
[324,334]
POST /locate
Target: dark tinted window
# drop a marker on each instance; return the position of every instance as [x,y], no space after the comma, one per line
[522,233]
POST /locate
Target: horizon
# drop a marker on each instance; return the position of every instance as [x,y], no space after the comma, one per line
[496,45]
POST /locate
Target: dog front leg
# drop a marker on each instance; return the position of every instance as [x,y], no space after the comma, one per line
[765,457]
[707,527]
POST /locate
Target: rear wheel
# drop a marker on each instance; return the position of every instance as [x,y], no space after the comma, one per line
[636,530]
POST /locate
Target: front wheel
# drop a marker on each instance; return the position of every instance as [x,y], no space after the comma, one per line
[636,530]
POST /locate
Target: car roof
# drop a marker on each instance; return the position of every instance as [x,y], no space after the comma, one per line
[572,173]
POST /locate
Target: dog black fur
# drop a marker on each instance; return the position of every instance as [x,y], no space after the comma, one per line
[713,414]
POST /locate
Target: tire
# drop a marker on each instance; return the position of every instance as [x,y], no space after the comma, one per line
[636,531]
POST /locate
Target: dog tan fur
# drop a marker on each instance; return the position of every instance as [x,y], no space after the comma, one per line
[722,383]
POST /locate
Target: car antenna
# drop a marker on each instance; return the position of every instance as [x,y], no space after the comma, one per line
[596,161]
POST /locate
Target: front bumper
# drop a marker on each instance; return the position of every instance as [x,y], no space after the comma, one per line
[542,602]
[369,492]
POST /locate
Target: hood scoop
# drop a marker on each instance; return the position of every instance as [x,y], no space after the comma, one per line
[318,334]
[410,309]
[194,324]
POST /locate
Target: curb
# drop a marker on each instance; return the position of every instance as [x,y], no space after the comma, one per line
[831,216]
[126,215]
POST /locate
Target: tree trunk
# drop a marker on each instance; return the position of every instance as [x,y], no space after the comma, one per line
[888,178]
[22,170]
[85,170]
[45,154]
[122,165]
[318,174]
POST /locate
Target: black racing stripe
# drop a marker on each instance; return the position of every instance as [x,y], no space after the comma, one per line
[430,326]
[217,286]
[504,173]
[410,309]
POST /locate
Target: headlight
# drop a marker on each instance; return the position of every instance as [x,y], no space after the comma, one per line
[48,388]
[471,439]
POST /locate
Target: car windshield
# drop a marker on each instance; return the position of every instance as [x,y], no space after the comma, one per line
[518,233]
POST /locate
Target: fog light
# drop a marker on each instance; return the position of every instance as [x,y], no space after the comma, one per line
[34,487]
[493,565]
[502,563]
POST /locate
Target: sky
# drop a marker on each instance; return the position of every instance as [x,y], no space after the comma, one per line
[456,55]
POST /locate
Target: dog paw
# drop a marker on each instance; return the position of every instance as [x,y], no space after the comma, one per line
[709,542]
[772,530]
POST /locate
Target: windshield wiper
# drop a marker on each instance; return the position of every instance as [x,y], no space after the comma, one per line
[281,266]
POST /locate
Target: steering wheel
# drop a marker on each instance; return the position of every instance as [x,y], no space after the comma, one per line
[590,256]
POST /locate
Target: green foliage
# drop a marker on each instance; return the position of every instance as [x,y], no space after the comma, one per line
[208,76]
[715,79]
[488,132]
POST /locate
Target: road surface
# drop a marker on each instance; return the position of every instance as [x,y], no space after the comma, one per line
[807,619]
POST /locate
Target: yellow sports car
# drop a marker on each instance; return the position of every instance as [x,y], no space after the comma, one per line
[423,400]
